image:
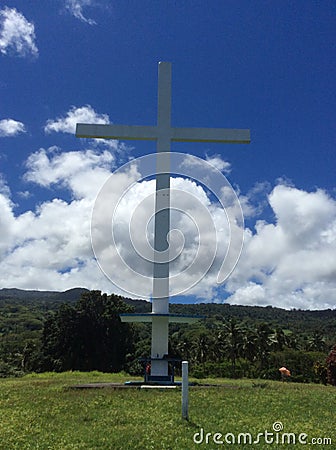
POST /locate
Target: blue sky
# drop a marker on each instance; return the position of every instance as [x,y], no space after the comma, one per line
[266,66]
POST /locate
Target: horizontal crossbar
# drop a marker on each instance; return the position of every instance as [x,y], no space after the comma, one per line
[148,317]
[151,133]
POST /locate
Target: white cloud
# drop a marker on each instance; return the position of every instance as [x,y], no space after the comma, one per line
[290,263]
[67,124]
[216,161]
[25,194]
[219,163]
[86,114]
[10,127]
[255,201]
[4,189]
[82,172]
[50,248]
[17,35]
[75,7]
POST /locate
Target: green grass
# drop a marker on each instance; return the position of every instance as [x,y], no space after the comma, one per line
[41,412]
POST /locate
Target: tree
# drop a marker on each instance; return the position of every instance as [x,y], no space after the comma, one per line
[250,348]
[88,335]
[201,348]
[264,343]
[317,343]
[232,338]
[279,339]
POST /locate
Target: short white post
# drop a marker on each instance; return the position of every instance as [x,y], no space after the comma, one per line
[185,392]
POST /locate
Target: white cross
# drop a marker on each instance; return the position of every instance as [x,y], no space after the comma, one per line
[163,133]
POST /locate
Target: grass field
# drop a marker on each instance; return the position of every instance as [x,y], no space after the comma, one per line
[41,412]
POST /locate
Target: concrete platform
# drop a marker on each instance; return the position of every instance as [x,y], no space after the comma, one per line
[158,386]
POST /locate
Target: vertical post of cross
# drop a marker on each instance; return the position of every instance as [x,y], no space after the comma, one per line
[160,297]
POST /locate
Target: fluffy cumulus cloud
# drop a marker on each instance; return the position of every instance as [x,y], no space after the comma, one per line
[290,263]
[50,248]
[17,34]
[76,7]
[82,172]
[219,163]
[67,124]
[10,127]
[86,114]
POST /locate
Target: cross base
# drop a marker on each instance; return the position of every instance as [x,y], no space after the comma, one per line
[164,370]
[157,367]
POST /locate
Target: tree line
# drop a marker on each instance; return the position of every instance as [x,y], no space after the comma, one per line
[88,335]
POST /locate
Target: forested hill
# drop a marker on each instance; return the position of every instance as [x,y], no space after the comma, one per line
[296,320]
[22,296]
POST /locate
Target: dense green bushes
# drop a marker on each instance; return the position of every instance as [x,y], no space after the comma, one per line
[87,336]
[305,368]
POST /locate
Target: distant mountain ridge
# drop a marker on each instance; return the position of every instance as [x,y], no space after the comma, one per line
[74,294]
[295,319]
[58,296]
